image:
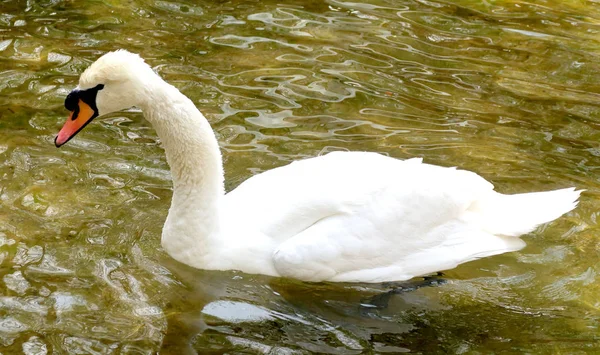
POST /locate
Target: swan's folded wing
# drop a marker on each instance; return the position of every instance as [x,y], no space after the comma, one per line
[361,216]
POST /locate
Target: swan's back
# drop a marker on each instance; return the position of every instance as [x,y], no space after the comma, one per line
[284,201]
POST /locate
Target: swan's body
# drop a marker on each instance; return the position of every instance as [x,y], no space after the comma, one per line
[345,216]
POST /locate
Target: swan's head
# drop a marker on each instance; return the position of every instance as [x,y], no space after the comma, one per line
[116,81]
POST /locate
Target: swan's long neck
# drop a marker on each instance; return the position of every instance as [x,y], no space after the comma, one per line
[193,224]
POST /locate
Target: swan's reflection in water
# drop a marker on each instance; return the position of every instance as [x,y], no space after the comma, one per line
[237,311]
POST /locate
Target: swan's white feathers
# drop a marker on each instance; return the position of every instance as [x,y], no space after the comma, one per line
[344,216]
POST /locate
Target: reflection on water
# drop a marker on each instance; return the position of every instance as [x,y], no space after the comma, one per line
[506,88]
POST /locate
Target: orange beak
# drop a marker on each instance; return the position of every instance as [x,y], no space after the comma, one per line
[77,120]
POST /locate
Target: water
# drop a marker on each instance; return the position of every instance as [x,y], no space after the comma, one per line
[508,89]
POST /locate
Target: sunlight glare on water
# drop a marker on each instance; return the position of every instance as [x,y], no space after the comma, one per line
[508,89]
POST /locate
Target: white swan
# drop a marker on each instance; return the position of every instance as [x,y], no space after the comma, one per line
[345,216]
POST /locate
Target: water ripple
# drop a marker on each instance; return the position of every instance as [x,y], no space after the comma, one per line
[507,89]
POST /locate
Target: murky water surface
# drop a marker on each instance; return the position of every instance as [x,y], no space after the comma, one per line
[506,88]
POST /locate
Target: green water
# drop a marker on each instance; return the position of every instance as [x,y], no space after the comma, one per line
[508,89]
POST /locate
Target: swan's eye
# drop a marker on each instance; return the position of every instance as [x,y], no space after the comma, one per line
[71,100]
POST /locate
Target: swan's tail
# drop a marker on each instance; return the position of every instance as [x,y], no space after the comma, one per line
[513,215]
